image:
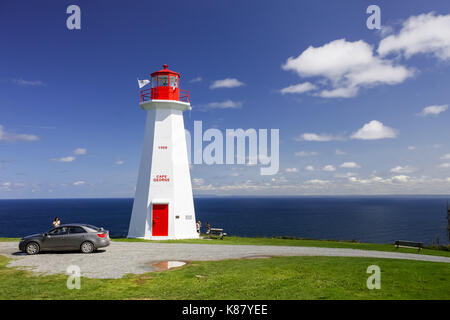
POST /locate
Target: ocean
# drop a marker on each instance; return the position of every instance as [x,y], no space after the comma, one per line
[366,219]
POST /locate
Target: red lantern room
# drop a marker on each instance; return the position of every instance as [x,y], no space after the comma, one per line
[165,86]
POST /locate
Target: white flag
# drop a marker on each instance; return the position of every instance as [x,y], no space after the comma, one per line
[174,85]
[143,82]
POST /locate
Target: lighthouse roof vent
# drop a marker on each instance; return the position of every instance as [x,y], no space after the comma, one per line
[165,70]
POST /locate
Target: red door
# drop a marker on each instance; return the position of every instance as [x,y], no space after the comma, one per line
[160,220]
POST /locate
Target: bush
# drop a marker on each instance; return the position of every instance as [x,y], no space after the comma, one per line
[438,247]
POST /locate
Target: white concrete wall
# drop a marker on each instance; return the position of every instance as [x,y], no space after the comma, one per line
[140,211]
[184,203]
[164,128]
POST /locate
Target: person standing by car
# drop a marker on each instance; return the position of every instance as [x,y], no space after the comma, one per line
[208,227]
[199,225]
[56,223]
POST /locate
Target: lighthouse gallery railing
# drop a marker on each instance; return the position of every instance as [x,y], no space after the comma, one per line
[146,95]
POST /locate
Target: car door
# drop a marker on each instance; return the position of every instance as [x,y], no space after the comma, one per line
[75,237]
[56,239]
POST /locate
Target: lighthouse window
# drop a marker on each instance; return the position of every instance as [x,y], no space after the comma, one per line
[163,81]
[154,82]
[174,82]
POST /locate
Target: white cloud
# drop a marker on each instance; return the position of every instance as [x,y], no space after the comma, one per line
[332,60]
[226,83]
[317,181]
[343,184]
[120,162]
[400,178]
[227,104]
[446,156]
[291,170]
[299,88]
[339,93]
[367,181]
[208,187]
[346,66]
[317,137]
[444,165]
[28,83]
[80,151]
[198,181]
[329,167]
[340,152]
[374,130]
[12,137]
[350,165]
[305,153]
[9,186]
[411,148]
[386,30]
[404,169]
[425,33]
[433,110]
[345,175]
[195,80]
[309,168]
[79,183]
[376,180]
[370,131]
[64,159]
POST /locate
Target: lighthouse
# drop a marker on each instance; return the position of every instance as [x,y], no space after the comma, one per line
[163,205]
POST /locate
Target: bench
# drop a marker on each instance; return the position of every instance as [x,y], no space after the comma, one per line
[408,244]
[216,232]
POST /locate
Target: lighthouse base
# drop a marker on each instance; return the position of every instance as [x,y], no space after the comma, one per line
[196,236]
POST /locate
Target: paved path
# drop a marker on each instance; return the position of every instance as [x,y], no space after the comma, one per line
[121,258]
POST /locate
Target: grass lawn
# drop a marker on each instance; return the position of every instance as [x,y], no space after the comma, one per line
[301,242]
[273,278]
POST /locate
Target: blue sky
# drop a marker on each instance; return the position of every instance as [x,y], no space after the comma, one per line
[71,125]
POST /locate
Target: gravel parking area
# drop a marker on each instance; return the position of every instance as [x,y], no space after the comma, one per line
[121,258]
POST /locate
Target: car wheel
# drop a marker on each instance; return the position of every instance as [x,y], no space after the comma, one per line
[87,247]
[32,248]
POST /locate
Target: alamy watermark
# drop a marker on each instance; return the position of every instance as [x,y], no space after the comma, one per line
[73,22]
[249,147]
[373,281]
[374,20]
[74,279]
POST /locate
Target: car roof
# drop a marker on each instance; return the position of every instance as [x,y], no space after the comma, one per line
[74,225]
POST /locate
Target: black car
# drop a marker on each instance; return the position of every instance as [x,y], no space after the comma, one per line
[77,236]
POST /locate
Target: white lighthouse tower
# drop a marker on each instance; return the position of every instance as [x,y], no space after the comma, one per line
[163,206]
